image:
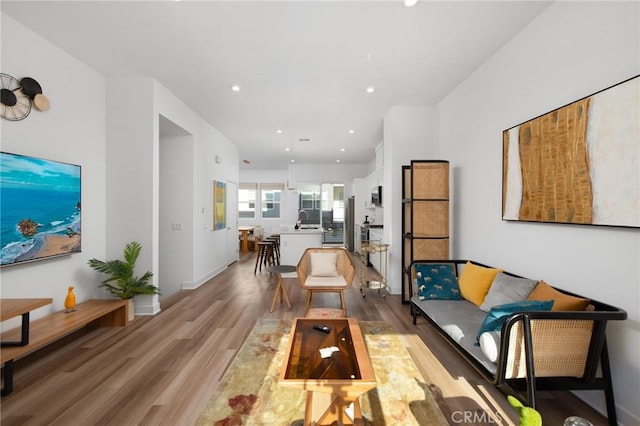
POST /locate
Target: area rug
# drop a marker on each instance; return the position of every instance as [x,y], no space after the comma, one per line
[249,393]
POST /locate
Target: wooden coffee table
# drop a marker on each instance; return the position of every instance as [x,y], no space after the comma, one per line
[332,383]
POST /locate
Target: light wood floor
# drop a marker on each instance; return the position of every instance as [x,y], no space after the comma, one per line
[161,370]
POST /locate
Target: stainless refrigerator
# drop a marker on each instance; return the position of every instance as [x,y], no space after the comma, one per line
[349,210]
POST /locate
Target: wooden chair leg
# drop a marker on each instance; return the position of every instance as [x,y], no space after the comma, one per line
[343,304]
[309,294]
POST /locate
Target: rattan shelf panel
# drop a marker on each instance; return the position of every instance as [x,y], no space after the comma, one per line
[430,248]
[430,180]
[431,218]
[406,178]
[425,215]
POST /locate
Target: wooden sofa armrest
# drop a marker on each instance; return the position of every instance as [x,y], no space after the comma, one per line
[563,344]
[557,351]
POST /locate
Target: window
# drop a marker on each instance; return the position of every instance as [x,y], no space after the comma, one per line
[271,194]
[323,204]
[310,196]
[247,200]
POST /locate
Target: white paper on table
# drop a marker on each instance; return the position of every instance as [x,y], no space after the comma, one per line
[327,352]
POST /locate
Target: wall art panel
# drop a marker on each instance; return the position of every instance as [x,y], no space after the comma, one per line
[577,164]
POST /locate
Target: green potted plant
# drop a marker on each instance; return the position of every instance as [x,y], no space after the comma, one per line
[122,282]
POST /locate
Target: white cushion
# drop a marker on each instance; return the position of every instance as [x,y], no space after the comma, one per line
[324,264]
[337,281]
[490,344]
[454,331]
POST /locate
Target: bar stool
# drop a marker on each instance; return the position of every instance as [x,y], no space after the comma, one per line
[275,238]
[265,255]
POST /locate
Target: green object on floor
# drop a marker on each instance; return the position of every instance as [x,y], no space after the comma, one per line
[528,415]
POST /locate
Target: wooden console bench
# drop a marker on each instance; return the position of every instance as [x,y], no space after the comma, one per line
[46,330]
[11,308]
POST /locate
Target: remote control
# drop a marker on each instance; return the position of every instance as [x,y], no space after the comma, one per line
[322,328]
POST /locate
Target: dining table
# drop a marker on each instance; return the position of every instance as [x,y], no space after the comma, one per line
[245,230]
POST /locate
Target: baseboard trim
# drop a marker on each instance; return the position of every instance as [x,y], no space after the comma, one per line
[192,285]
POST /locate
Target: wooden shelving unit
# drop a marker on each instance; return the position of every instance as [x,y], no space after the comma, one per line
[425,215]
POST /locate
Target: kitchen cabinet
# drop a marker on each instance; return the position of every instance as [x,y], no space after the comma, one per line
[295,241]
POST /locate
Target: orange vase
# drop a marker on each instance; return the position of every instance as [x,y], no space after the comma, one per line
[70,300]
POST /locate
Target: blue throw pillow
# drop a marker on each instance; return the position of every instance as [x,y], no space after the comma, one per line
[437,281]
[497,315]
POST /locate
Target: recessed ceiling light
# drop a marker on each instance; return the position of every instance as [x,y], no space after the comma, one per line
[337,161]
[342,149]
[351,131]
[236,87]
[371,89]
[287,149]
[279,131]
[410,3]
[293,161]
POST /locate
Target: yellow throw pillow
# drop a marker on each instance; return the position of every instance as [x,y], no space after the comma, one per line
[475,282]
[561,301]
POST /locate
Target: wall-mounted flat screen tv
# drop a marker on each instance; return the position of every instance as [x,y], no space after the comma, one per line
[39,208]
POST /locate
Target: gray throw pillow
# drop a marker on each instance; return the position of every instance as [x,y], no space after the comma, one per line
[507,289]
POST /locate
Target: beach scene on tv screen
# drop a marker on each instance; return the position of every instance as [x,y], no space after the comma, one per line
[39,208]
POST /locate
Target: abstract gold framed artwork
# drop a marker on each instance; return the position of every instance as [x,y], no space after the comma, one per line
[578,164]
[219,205]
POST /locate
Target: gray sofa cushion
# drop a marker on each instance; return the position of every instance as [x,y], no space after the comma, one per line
[507,289]
[461,320]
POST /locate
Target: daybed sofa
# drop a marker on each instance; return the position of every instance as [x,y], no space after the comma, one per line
[501,323]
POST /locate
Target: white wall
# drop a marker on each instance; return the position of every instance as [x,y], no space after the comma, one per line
[209,255]
[111,128]
[131,168]
[409,134]
[571,50]
[72,131]
[176,218]
[135,106]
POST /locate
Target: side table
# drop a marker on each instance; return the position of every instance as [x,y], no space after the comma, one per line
[280,289]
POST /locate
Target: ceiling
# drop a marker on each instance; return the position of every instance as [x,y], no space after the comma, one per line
[303,66]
